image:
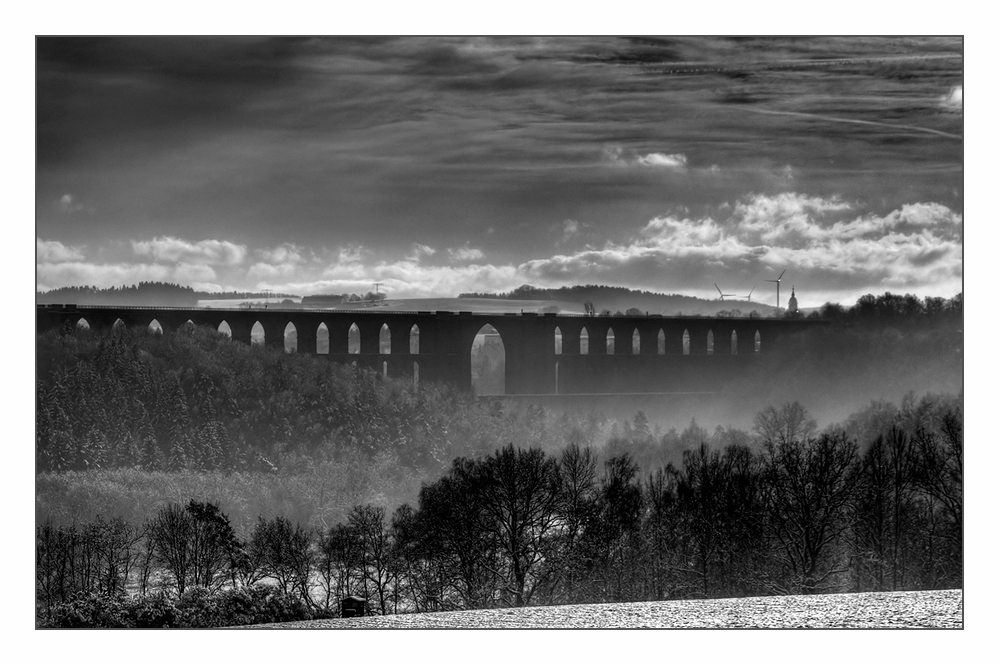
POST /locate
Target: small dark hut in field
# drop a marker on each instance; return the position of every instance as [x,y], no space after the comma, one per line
[352,606]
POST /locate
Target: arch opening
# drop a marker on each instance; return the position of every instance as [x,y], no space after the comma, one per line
[686,343]
[257,335]
[584,342]
[225,329]
[711,342]
[756,342]
[558,341]
[610,341]
[290,338]
[82,324]
[118,327]
[385,340]
[414,340]
[323,339]
[735,343]
[384,369]
[155,328]
[416,375]
[661,343]
[354,339]
[556,377]
[636,342]
[488,362]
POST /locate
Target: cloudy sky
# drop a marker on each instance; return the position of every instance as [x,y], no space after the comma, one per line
[446,165]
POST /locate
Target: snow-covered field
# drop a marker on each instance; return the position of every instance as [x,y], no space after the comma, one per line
[911,609]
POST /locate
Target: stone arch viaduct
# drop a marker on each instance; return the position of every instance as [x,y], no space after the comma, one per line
[545,353]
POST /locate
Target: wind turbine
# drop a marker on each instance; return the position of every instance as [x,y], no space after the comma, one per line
[722,295]
[778,285]
[749,297]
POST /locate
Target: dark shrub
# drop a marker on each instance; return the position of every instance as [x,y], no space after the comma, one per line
[156,611]
[272,606]
[90,610]
[197,608]
[201,608]
[236,606]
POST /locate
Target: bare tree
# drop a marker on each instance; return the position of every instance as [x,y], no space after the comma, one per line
[170,533]
[368,525]
[617,528]
[787,424]
[338,564]
[808,488]
[418,581]
[578,469]
[465,557]
[284,553]
[519,492]
[884,510]
[940,477]
[700,491]
[194,544]
[117,551]
[660,532]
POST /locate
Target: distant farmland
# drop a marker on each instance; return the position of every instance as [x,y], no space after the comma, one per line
[479,305]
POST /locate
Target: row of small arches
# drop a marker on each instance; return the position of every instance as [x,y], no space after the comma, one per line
[636,342]
[322,333]
[323,338]
[258,337]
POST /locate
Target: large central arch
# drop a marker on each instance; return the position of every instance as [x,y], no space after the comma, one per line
[488,362]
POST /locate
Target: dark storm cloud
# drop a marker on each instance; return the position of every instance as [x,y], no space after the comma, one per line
[132,92]
[486,144]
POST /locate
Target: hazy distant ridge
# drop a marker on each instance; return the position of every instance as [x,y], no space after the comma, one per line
[618,298]
[150,294]
[612,299]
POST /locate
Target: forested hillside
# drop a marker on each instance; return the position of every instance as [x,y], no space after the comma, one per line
[197,400]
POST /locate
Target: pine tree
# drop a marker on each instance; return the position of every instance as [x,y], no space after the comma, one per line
[177,426]
[178,459]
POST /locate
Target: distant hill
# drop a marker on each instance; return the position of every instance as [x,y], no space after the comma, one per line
[614,299]
[143,294]
[604,299]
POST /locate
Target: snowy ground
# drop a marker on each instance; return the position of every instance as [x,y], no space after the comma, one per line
[913,609]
